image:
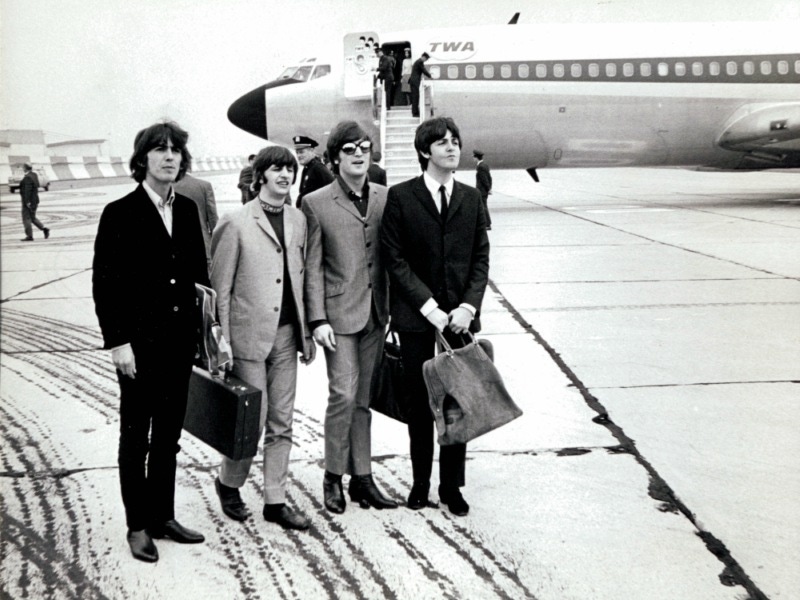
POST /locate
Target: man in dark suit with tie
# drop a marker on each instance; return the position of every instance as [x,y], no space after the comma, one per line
[148,256]
[436,252]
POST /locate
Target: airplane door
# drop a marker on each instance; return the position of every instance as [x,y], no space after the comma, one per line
[360,63]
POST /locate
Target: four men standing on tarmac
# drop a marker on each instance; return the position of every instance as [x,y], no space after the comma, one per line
[327,282]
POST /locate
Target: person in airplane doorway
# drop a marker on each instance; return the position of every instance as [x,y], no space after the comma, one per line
[386,63]
[246,179]
[29,192]
[436,251]
[346,302]
[315,175]
[483,181]
[405,75]
[148,256]
[257,272]
[415,80]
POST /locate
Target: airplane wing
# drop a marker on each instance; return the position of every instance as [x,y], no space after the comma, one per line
[769,133]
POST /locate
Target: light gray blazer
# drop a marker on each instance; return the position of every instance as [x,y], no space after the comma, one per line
[247,274]
[343,263]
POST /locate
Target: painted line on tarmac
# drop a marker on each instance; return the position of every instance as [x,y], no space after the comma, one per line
[733,573]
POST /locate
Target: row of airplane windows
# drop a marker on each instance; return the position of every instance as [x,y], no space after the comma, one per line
[646,69]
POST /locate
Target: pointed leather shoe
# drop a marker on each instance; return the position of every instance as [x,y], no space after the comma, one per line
[286,518]
[46,232]
[454,501]
[176,532]
[142,546]
[363,490]
[231,501]
[333,494]
[418,498]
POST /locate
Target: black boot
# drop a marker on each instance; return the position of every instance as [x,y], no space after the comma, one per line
[332,493]
[363,490]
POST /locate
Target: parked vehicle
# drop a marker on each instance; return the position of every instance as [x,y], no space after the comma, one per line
[17,174]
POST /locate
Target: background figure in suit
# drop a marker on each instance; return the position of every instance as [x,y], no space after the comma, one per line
[386,65]
[245,179]
[346,299]
[315,175]
[415,80]
[375,172]
[483,181]
[257,272]
[29,191]
[436,251]
[148,256]
[202,192]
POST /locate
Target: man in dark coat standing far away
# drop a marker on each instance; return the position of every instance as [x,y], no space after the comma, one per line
[483,181]
[436,252]
[315,175]
[148,256]
[29,191]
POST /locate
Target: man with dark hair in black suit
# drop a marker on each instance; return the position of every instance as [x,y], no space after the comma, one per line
[148,256]
[483,181]
[375,172]
[246,179]
[436,251]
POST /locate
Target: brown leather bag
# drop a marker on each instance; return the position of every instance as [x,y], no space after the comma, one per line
[466,392]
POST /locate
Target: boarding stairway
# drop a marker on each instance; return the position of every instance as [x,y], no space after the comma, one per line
[398,127]
[399,157]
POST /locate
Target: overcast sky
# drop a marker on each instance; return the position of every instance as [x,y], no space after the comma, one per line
[107,68]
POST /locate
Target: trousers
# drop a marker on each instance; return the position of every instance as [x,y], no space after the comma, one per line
[28,219]
[348,419]
[276,377]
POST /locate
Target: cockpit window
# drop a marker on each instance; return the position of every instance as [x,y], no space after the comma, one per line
[321,71]
[297,73]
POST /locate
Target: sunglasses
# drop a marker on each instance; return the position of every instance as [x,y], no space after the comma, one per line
[350,147]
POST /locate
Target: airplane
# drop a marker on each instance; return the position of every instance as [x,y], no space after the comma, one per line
[713,95]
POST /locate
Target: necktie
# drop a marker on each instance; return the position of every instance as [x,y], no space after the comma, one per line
[443,203]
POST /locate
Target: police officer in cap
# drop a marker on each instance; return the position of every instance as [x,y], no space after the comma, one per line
[315,175]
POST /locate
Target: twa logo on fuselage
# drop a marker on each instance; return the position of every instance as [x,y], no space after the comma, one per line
[449,51]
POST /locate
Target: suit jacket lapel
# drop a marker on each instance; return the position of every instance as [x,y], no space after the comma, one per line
[424,196]
[340,198]
[455,200]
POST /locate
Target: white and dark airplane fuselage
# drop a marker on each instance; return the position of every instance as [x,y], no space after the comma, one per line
[724,95]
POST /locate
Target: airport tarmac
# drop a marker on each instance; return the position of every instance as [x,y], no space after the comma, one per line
[646,321]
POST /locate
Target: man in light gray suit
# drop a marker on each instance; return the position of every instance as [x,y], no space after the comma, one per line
[257,272]
[202,192]
[346,303]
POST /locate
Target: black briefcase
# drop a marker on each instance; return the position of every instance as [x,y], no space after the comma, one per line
[223,413]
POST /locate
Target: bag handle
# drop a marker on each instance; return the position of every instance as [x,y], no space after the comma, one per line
[446,347]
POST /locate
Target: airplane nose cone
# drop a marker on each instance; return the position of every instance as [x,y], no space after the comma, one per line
[249,112]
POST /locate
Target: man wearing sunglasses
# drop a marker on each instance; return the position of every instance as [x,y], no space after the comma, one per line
[347,308]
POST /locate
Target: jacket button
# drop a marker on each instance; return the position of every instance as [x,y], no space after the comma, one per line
[369,264]
[365,225]
[277,281]
[172,281]
[279,250]
[369,244]
[369,285]
[175,308]
[276,309]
